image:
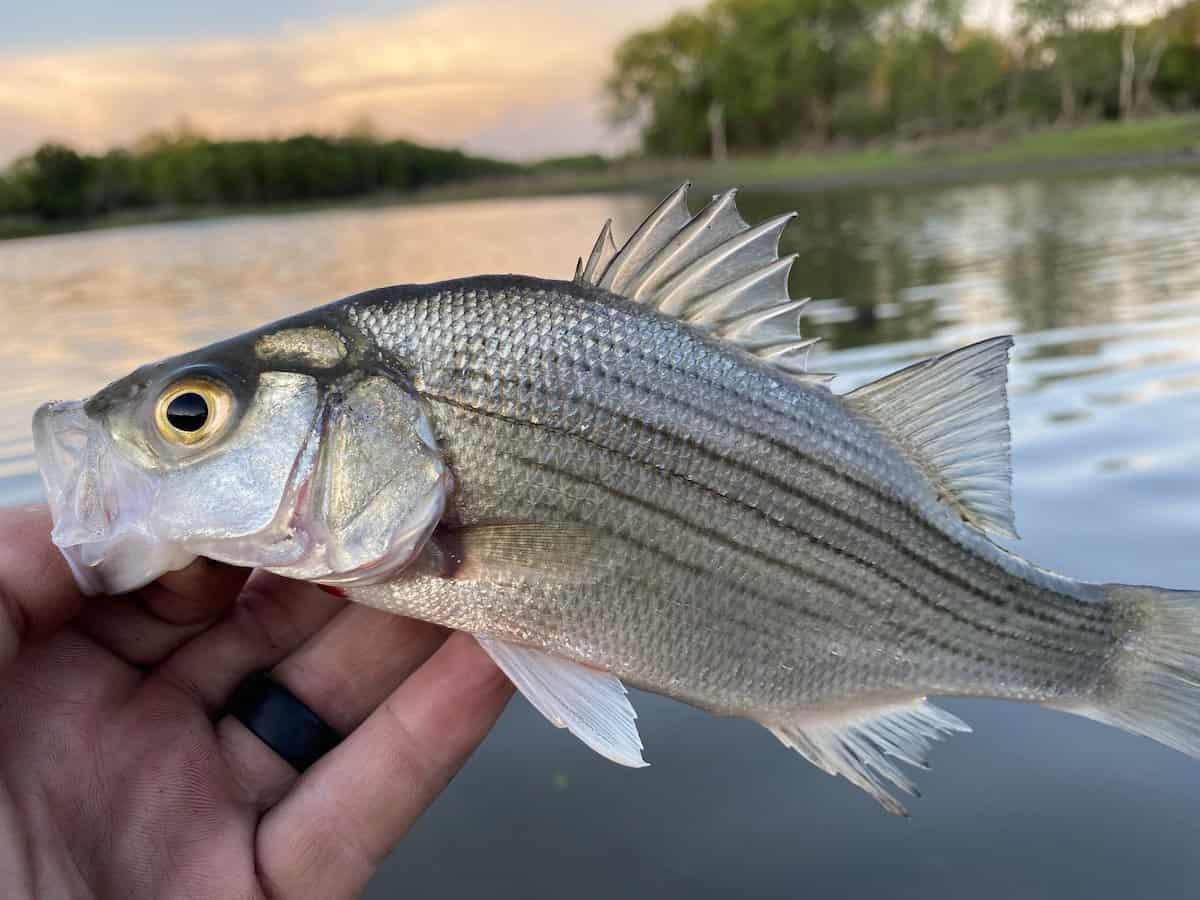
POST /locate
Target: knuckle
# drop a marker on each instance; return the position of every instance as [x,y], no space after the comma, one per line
[267,618]
[15,625]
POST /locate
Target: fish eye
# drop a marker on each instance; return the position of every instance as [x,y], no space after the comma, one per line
[192,411]
[187,411]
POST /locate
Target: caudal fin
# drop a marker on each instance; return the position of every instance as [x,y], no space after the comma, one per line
[1152,687]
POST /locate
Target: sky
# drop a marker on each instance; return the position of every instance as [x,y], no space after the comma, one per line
[514,78]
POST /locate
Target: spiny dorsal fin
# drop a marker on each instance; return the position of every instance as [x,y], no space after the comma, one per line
[712,271]
[602,253]
[949,415]
[856,743]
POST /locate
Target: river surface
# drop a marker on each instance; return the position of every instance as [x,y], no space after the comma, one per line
[1099,279]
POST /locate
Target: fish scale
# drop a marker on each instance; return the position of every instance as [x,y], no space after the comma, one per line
[599,369]
[630,477]
[735,473]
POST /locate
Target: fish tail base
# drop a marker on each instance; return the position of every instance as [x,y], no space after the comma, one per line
[1152,686]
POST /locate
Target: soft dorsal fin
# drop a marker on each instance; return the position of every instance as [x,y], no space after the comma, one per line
[711,270]
[949,415]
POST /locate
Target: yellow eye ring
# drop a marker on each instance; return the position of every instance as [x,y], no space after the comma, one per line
[192,411]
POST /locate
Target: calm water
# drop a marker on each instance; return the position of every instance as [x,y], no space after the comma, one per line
[1100,280]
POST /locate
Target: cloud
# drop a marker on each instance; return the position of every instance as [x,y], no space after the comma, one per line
[520,78]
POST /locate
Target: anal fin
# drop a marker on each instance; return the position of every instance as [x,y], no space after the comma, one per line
[862,743]
[589,703]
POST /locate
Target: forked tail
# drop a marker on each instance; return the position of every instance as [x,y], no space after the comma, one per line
[1152,684]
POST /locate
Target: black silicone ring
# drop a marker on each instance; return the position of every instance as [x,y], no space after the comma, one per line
[281,721]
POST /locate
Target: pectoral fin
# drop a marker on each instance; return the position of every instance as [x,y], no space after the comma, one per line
[562,552]
[589,703]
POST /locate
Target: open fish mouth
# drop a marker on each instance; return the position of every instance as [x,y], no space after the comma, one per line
[121,525]
[100,504]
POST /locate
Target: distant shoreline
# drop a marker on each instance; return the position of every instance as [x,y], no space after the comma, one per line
[1171,142]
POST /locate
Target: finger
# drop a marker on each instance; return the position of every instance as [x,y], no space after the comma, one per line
[327,836]
[125,629]
[198,593]
[146,627]
[37,592]
[341,673]
[272,617]
[352,665]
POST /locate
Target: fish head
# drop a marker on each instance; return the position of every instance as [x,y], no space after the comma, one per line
[295,449]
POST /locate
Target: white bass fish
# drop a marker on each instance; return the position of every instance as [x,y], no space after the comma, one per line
[629,477]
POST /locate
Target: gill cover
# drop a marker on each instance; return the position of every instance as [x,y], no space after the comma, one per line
[339,483]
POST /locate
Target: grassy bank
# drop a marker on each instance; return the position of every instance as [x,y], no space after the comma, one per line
[1106,147]
[1112,144]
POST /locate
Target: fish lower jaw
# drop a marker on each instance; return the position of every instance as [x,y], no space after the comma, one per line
[118,567]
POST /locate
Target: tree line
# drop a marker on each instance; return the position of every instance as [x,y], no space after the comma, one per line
[758,74]
[182,169]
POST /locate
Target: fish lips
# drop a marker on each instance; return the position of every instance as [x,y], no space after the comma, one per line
[100,504]
[105,508]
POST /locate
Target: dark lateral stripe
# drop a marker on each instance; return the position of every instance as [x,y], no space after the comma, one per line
[1038,611]
[1077,614]
[966,650]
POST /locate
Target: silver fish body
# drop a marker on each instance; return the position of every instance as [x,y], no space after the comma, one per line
[776,553]
[629,477]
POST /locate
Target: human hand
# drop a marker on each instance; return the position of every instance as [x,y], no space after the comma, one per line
[119,776]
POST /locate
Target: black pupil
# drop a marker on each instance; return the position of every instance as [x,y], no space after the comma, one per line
[187,412]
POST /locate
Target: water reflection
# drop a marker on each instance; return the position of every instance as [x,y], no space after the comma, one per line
[1100,277]
[1101,281]
[86,308]
[1031,254]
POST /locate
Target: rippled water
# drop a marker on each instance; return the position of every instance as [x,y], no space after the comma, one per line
[1099,280]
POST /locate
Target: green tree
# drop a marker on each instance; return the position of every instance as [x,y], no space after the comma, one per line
[184,169]
[664,82]
[1177,80]
[813,53]
[775,69]
[938,83]
[939,25]
[978,81]
[1056,25]
[56,178]
[15,199]
[114,183]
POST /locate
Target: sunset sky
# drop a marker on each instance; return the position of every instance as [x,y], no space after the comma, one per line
[518,78]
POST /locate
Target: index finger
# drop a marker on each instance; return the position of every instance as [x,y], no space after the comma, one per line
[346,813]
[37,591]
